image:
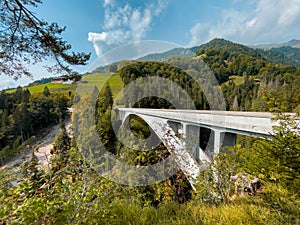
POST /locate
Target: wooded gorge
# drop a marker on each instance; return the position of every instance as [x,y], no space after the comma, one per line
[23,115]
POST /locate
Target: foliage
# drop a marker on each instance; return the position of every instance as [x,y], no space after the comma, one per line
[46,91]
[136,70]
[71,192]
[215,184]
[277,90]
[28,39]
[103,118]
[23,115]
[182,52]
[276,159]
[226,58]
[267,86]
[285,55]
[73,76]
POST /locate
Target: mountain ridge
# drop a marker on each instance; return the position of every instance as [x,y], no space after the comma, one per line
[294,43]
[284,53]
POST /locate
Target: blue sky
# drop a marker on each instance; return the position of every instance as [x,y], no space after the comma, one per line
[98,26]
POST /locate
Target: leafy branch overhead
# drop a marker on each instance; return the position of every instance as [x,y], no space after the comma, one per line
[27,39]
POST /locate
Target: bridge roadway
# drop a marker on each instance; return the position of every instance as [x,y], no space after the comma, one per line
[245,123]
[176,128]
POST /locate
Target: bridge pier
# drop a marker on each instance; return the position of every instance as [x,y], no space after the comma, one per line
[217,142]
[223,139]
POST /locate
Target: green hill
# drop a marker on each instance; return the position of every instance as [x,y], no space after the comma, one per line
[97,79]
[53,87]
[224,45]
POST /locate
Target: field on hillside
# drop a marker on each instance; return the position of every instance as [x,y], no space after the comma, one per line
[238,80]
[53,87]
[97,79]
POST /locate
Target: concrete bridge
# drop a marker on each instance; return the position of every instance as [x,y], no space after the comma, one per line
[180,130]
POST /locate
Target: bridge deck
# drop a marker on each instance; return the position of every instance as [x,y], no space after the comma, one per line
[224,113]
[246,123]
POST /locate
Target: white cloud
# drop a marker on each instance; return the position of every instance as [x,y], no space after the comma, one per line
[102,40]
[198,34]
[108,3]
[161,5]
[124,24]
[290,15]
[6,82]
[117,18]
[251,23]
[139,23]
[269,21]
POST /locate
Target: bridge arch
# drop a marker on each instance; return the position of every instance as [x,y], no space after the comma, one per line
[175,145]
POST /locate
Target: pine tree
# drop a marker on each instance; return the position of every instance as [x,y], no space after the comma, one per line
[26,38]
[103,118]
[235,104]
[46,91]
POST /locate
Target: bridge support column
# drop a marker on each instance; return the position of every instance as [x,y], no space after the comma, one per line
[217,141]
[184,130]
[191,138]
[221,138]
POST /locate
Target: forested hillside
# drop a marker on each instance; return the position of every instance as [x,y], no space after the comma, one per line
[23,115]
[267,85]
[284,55]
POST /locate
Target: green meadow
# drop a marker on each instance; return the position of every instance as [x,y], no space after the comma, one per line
[97,79]
[53,87]
[238,80]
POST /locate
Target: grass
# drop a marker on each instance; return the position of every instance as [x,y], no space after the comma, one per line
[53,87]
[97,79]
[238,80]
[244,211]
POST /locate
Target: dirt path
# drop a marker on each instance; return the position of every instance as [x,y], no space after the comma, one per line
[44,147]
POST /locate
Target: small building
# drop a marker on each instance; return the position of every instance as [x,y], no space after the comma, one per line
[57,80]
[68,82]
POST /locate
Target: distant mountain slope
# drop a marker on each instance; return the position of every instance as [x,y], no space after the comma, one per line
[292,43]
[226,58]
[221,44]
[283,55]
[183,52]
